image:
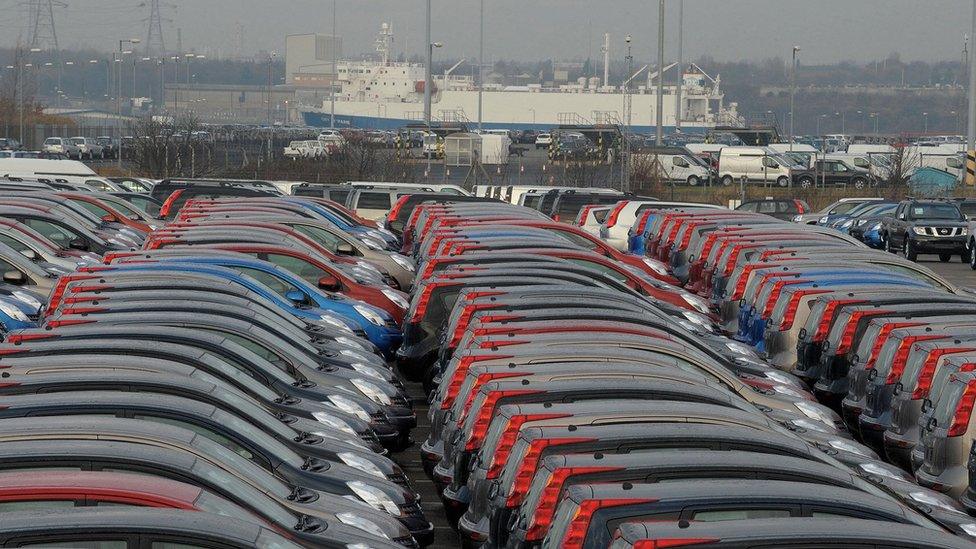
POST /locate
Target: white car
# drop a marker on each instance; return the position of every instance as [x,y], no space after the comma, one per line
[88,147]
[543,140]
[590,218]
[616,226]
[61,145]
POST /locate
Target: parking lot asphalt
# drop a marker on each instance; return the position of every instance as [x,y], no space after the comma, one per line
[956,271]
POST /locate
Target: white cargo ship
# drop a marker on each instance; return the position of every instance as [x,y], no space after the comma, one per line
[386,95]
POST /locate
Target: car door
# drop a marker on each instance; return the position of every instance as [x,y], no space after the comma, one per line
[899,225]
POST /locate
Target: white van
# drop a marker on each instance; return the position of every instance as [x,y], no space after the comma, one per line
[675,166]
[70,171]
[415,187]
[872,149]
[756,165]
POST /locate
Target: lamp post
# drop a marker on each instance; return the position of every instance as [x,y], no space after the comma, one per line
[660,75]
[271,58]
[875,116]
[335,70]
[819,119]
[481,62]
[427,82]
[20,80]
[843,121]
[118,97]
[925,117]
[796,50]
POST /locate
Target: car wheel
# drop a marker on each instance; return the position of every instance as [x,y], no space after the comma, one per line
[693,181]
[945,257]
[727,180]
[806,183]
[858,183]
[783,181]
[910,253]
[972,255]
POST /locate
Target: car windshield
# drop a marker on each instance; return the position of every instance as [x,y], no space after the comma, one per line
[946,211]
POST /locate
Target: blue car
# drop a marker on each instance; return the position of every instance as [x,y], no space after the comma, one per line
[288,291]
[755,328]
[844,223]
[13,315]
[347,224]
[748,312]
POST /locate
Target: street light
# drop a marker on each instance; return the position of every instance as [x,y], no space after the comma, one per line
[925,117]
[819,119]
[875,116]
[118,95]
[796,49]
[21,82]
[843,121]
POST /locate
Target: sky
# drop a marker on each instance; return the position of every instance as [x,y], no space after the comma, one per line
[826,30]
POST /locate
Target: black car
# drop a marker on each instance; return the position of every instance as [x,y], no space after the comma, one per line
[927,227]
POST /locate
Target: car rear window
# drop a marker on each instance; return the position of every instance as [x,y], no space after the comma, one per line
[373,200]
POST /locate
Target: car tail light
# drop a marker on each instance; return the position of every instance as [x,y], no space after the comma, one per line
[168,204]
[799,207]
[507,440]
[486,413]
[17,339]
[479,382]
[824,326]
[580,523]
[794,304]
[964,409]
[671,542]
[59,290]
[454,385]
[848,337]
[642,224]
[397,206]
[68,322]
[927,372]
[898,363]
[883,336]
[527,467]
[775,293]
[581,216]
[546,508]
[615,213]
[82,310]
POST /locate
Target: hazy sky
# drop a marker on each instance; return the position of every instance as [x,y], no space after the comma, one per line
[827,30]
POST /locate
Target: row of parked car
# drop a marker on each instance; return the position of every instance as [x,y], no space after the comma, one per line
[877,337]
[214,375]
[581,397]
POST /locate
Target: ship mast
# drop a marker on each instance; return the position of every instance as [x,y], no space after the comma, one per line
[384,43]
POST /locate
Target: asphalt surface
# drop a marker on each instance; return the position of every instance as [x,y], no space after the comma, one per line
[955,271]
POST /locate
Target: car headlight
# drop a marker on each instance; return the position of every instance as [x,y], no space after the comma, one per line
[963,231]
[359,523]
[790,392]
[847,224]
[860,222]
[797,218]
[822,220]
[935,500]
[781,378]
[396,298]
[366,370]
[349,342]
[375,497]
[361,463]
[918,230]
[369,267]
[370,314]
[373,392]
[13,312]
[355,355]
[655,266]
[372,243]
[702,322]
[875,227]
[333,422]
[334,321]
[882,470]
[403,262]
[696,302]
[27,298]
[349,406]
[846,446]
[969,528]
[817,412]
[740,348]
[815,426]
[377,235]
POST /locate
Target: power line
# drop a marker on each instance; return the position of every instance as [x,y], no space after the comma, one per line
[41,31]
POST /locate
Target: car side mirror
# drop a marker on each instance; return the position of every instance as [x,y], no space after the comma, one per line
[345,249]
[330,283]
[30,254]
[14,277]
[901,216]
[297,297]
[78,244]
